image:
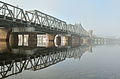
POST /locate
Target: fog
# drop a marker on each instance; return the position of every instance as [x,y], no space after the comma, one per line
[101,16]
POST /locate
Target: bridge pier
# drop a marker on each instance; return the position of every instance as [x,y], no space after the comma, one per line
[23,39]
[61,40]
[100,41]
[28,36]
[4,34]
[22,36]
[75,40]
[4,47]
[85,40]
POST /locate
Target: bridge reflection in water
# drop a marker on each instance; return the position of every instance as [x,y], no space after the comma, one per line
[15,59]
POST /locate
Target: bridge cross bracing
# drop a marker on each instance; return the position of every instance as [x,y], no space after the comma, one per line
[38,61]
[38,19]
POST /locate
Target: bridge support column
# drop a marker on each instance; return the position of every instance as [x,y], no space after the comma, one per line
[45,40]
[4,34]
[23,36]
[23,39]
[75,40]
[85,40]
[61,40]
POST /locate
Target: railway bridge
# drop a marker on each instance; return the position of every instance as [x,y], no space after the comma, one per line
[21,24]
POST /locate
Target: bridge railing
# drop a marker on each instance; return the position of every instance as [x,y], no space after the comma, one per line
[10,12]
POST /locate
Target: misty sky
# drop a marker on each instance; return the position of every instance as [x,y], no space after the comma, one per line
[102,16]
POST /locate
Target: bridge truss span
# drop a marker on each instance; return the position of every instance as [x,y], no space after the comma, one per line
[38,20]
[12,13]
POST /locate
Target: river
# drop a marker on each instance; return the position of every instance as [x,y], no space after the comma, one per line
[83,62]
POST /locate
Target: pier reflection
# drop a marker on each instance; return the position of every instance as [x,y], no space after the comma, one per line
[14,60]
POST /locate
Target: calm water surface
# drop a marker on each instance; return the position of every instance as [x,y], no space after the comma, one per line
[101,63]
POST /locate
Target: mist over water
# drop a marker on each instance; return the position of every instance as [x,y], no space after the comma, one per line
[59,39]
[92,61]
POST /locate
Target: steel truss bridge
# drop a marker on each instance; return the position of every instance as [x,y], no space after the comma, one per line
[38,61]
[12,16]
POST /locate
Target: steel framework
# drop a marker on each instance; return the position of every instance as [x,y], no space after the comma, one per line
[38,61]
[35,18]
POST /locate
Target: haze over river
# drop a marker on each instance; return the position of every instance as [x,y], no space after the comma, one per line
[84,62]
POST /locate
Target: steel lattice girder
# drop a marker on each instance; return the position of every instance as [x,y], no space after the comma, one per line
[37,18]
[11,12]
[43,19]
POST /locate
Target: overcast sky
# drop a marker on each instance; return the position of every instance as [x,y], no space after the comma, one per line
[102,16]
